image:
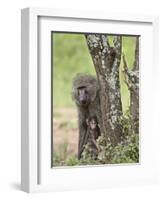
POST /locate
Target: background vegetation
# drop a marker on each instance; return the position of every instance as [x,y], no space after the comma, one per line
[71,56]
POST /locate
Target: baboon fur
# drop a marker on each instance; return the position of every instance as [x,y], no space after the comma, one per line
[90,108]
[93,132]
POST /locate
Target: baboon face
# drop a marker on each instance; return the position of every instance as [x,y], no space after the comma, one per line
[84,90]
[93,124]
[83,96]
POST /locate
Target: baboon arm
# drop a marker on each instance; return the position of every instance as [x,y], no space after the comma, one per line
[94,141]
[86,138]
[81,138]
[82,133]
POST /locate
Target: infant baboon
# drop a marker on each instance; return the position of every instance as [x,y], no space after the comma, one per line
[93,132]
[85,92]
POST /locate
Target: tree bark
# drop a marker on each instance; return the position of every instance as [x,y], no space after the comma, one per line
[132,81]
[106,60]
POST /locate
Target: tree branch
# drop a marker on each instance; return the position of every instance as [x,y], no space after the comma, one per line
[118,45]
[136,62]
[132,81]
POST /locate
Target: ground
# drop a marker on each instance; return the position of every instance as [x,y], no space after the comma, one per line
[65,132]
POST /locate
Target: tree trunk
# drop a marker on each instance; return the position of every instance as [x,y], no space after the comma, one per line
[106,60]
[132,81]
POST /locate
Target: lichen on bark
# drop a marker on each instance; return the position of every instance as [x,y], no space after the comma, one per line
[132,81]
[106,60]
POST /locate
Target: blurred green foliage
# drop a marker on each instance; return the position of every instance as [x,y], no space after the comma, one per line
[71,56]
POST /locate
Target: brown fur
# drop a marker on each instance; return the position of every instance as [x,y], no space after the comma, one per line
[91,108]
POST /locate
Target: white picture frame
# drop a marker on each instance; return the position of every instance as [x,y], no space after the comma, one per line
[36,171]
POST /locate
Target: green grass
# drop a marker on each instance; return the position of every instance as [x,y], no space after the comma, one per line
[71,56]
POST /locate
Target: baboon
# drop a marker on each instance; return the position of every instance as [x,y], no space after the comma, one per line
[85,92]
[93,132]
